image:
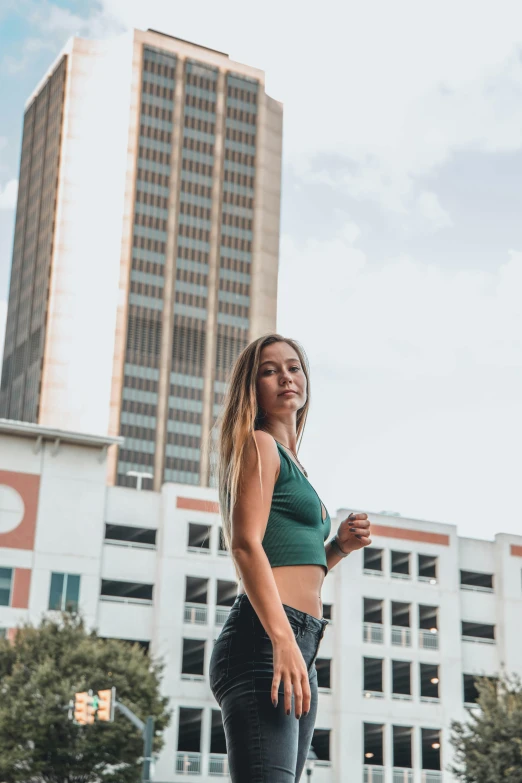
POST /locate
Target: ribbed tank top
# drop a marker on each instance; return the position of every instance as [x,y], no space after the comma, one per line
[296,532]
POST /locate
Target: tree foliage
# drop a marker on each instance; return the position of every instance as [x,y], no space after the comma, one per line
[488,748]
[39,674]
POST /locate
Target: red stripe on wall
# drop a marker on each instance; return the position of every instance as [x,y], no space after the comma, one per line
[194,504]
[516,550]
[410,535]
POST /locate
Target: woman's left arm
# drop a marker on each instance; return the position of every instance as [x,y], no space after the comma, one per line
[353,533]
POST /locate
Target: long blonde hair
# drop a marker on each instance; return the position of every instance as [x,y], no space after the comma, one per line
[240,416]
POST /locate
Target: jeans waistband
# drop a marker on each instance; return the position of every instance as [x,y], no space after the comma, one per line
[302,619]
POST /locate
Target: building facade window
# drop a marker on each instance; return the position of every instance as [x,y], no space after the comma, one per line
[6,581]
[65,592]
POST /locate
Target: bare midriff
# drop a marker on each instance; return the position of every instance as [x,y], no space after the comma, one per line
[299,586]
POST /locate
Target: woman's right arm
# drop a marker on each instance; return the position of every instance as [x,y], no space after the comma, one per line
[249,521]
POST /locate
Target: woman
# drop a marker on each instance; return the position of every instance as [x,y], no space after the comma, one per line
[262,668]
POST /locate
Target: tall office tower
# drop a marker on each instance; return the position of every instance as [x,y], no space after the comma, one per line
[146,247]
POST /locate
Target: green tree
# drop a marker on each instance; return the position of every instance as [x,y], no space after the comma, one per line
[39,674]
[488,748]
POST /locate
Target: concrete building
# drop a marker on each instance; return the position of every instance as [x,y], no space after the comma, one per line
[146,247]
[413,617]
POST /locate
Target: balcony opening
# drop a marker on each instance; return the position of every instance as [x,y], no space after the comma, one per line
[114,590]
[222,550]
[372,559]
[218,760]
[429,681]
[402,747]
[188,757]
[373,744]
[323,666]
[196,591]
[401,678]
[321,744]
[400,614]
[478,631]
[130,536]
[428,617]
[430,748]
[475,580]
[327,611]
[470,689]
[192,666]
[427,568]
[198,538]
[373,610]
[372,676]
[226,592]
[217,734]
[400,564]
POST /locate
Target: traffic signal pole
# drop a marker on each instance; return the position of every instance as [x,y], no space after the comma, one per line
[147,731]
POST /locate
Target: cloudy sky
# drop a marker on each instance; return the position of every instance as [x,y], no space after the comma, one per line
[401,244]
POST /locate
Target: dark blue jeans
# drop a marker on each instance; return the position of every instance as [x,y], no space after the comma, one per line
[264,744]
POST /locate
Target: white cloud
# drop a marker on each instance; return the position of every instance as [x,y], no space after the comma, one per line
[400,314]
[431,210]
[8,194]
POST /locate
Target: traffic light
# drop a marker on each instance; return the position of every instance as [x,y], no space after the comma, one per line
[81,703]
[106,701]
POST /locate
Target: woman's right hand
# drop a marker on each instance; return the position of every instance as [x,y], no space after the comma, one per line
[290,668]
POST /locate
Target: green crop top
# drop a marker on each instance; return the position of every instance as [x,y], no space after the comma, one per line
[296,532]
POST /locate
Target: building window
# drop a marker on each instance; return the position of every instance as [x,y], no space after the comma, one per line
[192,666]
[373,625]
[372,560]
[64,593]
[401,678]
[188,758]
[475,580]
[6,581]
[400,564]
[400,620]
[198,537]
[126,592]
[196,597]
[427,568]
[133,536]
[321,744]
[218,745]
[323,666]
[372,677]
[327,612]
[430,748]
[222,549]
[429,681]
[373,744]
[428,627]
[402,748]
[478,632]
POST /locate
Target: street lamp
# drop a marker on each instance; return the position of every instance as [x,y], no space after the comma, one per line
[310,763]
[139,476]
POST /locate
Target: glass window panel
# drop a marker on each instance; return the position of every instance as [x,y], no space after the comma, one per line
[6,578]
[72,593]
[56,592]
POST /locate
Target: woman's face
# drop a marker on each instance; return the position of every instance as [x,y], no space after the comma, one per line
[280,370]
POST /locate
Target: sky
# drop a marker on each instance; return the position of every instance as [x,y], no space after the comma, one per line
[401,232]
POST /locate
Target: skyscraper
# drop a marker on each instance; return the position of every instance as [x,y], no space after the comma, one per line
[146,246]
